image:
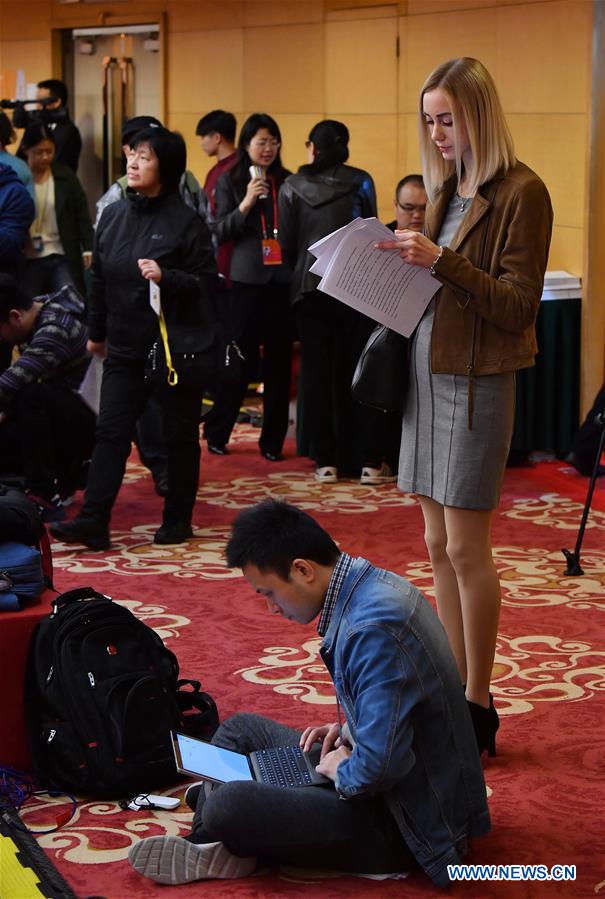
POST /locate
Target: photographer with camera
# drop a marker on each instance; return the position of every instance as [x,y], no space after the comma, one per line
[52,112]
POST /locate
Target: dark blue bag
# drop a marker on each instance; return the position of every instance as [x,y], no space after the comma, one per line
[21,575]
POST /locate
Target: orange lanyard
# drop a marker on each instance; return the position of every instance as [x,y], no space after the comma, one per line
[262,214]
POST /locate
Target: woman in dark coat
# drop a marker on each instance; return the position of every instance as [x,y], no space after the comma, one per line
[246,213]
[61,236]
[322,197]
[150,236]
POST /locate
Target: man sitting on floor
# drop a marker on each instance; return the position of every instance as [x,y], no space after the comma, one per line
[405,762]
[46,429]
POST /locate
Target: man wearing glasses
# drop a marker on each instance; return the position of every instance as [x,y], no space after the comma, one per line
[410,204]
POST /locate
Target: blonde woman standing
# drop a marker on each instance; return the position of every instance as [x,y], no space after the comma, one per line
[487,235]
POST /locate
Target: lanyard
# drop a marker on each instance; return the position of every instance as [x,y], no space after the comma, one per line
[262,214]
[38,224]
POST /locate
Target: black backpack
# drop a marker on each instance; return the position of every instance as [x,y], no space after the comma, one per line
[102,695]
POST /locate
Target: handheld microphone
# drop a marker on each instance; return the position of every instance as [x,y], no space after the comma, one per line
[256,171]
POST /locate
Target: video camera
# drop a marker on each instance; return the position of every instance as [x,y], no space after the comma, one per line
[15,104]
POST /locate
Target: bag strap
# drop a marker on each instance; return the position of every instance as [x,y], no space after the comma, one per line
[173,378]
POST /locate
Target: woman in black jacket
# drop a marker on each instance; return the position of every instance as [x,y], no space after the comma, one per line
[246,213]
[60,245]
[322,197]
[150,236]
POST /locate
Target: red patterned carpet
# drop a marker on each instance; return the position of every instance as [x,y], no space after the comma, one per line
[546,796]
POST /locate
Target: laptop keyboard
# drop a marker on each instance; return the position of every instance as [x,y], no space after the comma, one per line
[283,766]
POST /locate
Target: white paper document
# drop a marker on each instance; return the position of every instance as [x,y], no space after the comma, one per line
[90,388]
[154,297]
[376,282]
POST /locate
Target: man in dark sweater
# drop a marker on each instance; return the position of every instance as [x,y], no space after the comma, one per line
[46,429]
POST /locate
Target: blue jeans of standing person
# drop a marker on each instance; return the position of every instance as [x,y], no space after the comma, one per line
[309,827]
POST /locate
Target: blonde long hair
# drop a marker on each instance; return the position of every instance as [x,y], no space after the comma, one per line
[474,100]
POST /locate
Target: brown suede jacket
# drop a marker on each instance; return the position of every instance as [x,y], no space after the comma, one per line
[492,275]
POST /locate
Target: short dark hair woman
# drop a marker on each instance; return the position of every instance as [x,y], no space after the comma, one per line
[150,236]
[61,236]
[324,195]
[488,227]
[247,214]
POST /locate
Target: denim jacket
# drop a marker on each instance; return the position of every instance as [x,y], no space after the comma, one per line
[397,682]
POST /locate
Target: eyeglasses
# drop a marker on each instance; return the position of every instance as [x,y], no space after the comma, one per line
[412,207]
[308,143]
[262,143]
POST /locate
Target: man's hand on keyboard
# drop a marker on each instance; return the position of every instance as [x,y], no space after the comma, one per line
[327,734]
[331,760]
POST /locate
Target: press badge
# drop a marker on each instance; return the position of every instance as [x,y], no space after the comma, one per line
[38,242]
[271,251]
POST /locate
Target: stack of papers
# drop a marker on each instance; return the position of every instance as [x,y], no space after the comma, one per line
[561,286]
[376,282]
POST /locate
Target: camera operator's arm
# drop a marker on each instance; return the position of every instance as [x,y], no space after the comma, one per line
[21,117]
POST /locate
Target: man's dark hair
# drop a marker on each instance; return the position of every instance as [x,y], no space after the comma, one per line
[56,88]
[272,534]
[171,151]
[409,179]
[12,296]
[220,121]
[7,132]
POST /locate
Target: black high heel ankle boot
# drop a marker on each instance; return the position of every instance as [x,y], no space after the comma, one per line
[485,723]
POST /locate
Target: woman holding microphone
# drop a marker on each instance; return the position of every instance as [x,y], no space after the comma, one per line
[487,235]
[247,214]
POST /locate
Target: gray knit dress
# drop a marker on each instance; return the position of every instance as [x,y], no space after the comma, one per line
[440,457]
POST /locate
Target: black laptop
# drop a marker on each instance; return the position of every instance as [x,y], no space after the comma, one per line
[283,766]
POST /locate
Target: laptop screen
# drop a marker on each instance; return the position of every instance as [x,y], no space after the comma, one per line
[208,761]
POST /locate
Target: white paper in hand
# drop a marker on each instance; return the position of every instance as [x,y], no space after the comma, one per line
[154,297]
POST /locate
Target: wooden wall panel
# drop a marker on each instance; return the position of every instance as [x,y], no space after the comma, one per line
[282,12]
[210,15]
[567,250]
[284,68]
[544,56]
[361,66]
[555,146]
[209,73]
[433,39]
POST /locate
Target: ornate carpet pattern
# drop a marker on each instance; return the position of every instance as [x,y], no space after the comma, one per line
[545,785]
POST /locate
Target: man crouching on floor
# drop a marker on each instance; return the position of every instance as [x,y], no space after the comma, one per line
[406,764]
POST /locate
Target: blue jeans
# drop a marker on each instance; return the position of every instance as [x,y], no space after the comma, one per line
[306,827]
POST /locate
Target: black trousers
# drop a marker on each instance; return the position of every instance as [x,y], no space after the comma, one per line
[341,432]
[306,827]
[46,274]
[48,433]
[124,394]
[260,316]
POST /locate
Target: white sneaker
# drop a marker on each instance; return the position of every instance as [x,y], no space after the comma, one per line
[326,475]
[380,475]
[174,860]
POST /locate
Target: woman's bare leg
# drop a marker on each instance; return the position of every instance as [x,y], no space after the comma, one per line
[470,552]
[445,580]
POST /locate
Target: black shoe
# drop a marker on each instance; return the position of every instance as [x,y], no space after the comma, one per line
[218,450]
[485,723]
[89,531]
[583,467]
[272,457]
[160,480]
[172,533]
